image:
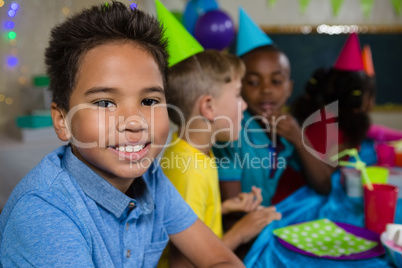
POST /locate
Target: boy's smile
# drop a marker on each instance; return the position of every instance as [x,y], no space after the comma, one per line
[266,85]
[118,120]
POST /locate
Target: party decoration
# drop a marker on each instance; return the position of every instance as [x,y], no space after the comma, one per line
[12,35]
[397,5]
[11,13]
[250,36]
[9,25]
[181,44]
[336,6]
[368,61]
[359,164]
[105,6]
[214,30]
[350,57]
[12,61]
[14,6]
[323,238]
[178,15]
[194,10]
[133,6]
[271,3]
[303,5]
[1,3]
[366,6]
[382,133]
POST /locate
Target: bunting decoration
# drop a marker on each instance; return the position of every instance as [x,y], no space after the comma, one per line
[271,3]
[397,5]
[367,7]
[303,5]
[336,6]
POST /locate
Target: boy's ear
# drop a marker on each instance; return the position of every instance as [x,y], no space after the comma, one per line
[207,107]
[60,123]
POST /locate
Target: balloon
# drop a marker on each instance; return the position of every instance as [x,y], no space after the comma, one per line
[214,30]
[195,9]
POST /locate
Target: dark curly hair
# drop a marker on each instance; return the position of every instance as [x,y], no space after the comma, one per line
[348,88]
[98,25]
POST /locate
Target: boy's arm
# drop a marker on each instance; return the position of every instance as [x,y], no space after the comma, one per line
[318,173]
[250,226]
[244,202]
[203,248]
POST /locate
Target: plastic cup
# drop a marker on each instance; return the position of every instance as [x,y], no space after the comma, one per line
[385,155]
[379,206]
[378,175]
[391,230]
[398,159]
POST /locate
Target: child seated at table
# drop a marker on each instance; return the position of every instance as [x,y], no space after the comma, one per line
[101,201]
[270,153]
[206,90]
[348,86]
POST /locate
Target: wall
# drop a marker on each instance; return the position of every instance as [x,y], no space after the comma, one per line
[35,18]
[287,12]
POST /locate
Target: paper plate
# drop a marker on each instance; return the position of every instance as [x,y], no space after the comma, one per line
[355,230]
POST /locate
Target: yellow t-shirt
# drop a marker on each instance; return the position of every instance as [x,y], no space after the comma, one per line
[195,176]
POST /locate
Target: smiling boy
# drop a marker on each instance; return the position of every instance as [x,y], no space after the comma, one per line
[100,201]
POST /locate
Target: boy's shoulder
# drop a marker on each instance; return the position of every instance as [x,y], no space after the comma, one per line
[178,146]
[46,183]
[43,175]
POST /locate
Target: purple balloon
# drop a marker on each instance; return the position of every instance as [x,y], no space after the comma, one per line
[214,30]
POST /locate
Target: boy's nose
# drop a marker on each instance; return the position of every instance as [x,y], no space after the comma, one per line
[266,87]
[132,123]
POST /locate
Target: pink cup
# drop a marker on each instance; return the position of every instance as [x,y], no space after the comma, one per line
[379,206]
[386,155]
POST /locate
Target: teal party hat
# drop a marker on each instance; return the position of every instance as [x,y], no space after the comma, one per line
[249,36]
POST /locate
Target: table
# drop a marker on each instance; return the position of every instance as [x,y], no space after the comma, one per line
[306,205]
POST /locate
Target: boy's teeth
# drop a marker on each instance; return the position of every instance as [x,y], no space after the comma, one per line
[130,149]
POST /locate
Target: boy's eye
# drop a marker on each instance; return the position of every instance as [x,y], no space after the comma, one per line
[277,82]
[104,103]
[252,83]
[149,102]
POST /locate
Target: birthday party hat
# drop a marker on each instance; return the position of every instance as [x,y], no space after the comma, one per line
[350,58]
[181,44]
[250,36]
[368,61]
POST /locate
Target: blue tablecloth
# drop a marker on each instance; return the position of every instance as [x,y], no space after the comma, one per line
[306,205]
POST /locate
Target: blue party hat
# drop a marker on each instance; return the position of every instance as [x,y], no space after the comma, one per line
[250,36]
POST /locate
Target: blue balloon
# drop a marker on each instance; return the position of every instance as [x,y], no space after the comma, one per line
[214,30]
[194,9]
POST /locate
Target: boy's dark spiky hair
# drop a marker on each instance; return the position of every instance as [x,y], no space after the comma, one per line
[98,25]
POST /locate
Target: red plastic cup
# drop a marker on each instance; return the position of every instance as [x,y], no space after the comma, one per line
[386,155]
[379,206]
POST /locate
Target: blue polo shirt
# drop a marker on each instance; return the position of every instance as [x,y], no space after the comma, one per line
[254,159]
[63,214]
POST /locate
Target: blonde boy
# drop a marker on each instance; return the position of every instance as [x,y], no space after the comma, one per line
[207,107]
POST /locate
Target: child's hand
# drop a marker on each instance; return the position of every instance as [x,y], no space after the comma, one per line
[251,225]
[244,202]
[285,125]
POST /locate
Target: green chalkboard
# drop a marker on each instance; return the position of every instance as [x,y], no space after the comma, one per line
[309,52]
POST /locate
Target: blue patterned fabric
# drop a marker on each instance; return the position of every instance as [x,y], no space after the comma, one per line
[306,205]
